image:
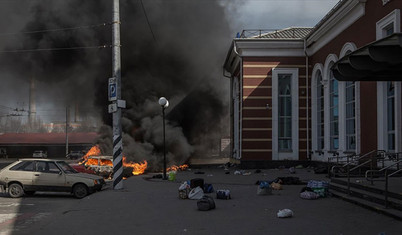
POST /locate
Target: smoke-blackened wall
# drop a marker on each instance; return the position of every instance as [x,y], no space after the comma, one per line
[177,54]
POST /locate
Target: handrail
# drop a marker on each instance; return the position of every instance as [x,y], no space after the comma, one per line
[386,176]
[357,160]
[382,169]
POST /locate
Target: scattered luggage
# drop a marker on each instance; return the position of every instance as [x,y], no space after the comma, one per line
[223,194]
[264,188]
[206,203]
[208,188]
[196,193]
[197,182]
[285,213]
[184,190]
[320,187]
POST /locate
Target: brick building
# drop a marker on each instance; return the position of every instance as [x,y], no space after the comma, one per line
[312,93]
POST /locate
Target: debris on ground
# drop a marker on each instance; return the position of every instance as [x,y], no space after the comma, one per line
[196,193]
[223,194]
[308,193]
[184,190]
[319,186]
[264,188]
[208,188]
[285,213]
[276,186]
[292,170]
[206,203]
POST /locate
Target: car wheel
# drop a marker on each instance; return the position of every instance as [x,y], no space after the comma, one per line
[29,193]
[80,190]
[15,190]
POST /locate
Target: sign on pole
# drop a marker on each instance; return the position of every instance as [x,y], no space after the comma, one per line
[112,89]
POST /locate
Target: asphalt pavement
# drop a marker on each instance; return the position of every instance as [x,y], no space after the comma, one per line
[150,205]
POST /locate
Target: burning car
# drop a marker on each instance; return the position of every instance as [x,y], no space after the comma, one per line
[101,165]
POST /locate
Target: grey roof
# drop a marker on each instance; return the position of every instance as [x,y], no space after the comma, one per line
[287,33]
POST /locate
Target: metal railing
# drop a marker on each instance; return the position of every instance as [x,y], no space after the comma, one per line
[371,157]
[396,157]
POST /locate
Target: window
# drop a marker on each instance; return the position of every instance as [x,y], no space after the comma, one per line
[391,115]
[23,166]
[350,102]
[334,114]
[388,30]
[285,112]
[320,112]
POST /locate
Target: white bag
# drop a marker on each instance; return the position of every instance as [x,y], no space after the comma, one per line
[196,193]
[184,186]
[285,213]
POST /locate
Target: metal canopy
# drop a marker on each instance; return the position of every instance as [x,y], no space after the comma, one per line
[377,61]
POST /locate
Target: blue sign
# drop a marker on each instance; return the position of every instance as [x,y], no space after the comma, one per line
[112,89]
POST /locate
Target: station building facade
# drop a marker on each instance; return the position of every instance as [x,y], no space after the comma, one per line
[312,93]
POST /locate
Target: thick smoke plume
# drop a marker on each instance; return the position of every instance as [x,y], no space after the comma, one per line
[179,57]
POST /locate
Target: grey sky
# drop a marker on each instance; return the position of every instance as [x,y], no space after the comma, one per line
[278,14]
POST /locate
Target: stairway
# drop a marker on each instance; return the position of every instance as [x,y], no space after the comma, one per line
[373,197]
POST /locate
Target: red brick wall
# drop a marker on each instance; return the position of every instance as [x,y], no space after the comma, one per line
[257,93]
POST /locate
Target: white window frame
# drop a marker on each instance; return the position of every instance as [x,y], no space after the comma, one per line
[346,49]
[318,68]
[329,61]
[393,18]
[294,154]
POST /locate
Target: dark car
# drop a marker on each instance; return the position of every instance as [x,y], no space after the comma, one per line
[73,155]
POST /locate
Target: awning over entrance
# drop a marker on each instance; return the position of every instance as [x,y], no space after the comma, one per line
[377,61]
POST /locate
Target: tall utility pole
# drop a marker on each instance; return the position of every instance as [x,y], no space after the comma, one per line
[117,103]
[67,121]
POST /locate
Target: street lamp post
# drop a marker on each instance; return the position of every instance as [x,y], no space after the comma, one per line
[164,103]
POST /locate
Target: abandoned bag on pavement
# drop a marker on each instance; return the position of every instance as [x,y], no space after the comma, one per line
[223,194]
[206,203]
[196,193]
[208,188]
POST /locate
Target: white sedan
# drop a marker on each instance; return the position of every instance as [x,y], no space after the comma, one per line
[26,176]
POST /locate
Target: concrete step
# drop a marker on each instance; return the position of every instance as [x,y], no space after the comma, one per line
[377,198]
[391,212]
[362,184]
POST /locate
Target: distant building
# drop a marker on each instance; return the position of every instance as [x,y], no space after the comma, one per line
[312,93]
[19,145]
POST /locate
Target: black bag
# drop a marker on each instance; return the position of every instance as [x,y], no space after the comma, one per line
[197,182]
[223,194]
[208,188]
[206,203]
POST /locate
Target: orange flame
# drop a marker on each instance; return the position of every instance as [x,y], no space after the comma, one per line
[177,168]
[138,168]
[94,151]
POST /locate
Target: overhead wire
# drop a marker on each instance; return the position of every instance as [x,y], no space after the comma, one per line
[146,17]
[56,30]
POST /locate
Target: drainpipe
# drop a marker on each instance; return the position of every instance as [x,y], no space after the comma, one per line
[241,99]
[307,102]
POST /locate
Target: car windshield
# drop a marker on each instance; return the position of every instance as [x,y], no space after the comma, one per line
[66,168]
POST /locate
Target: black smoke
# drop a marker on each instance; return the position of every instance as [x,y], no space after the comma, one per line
[177,54]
